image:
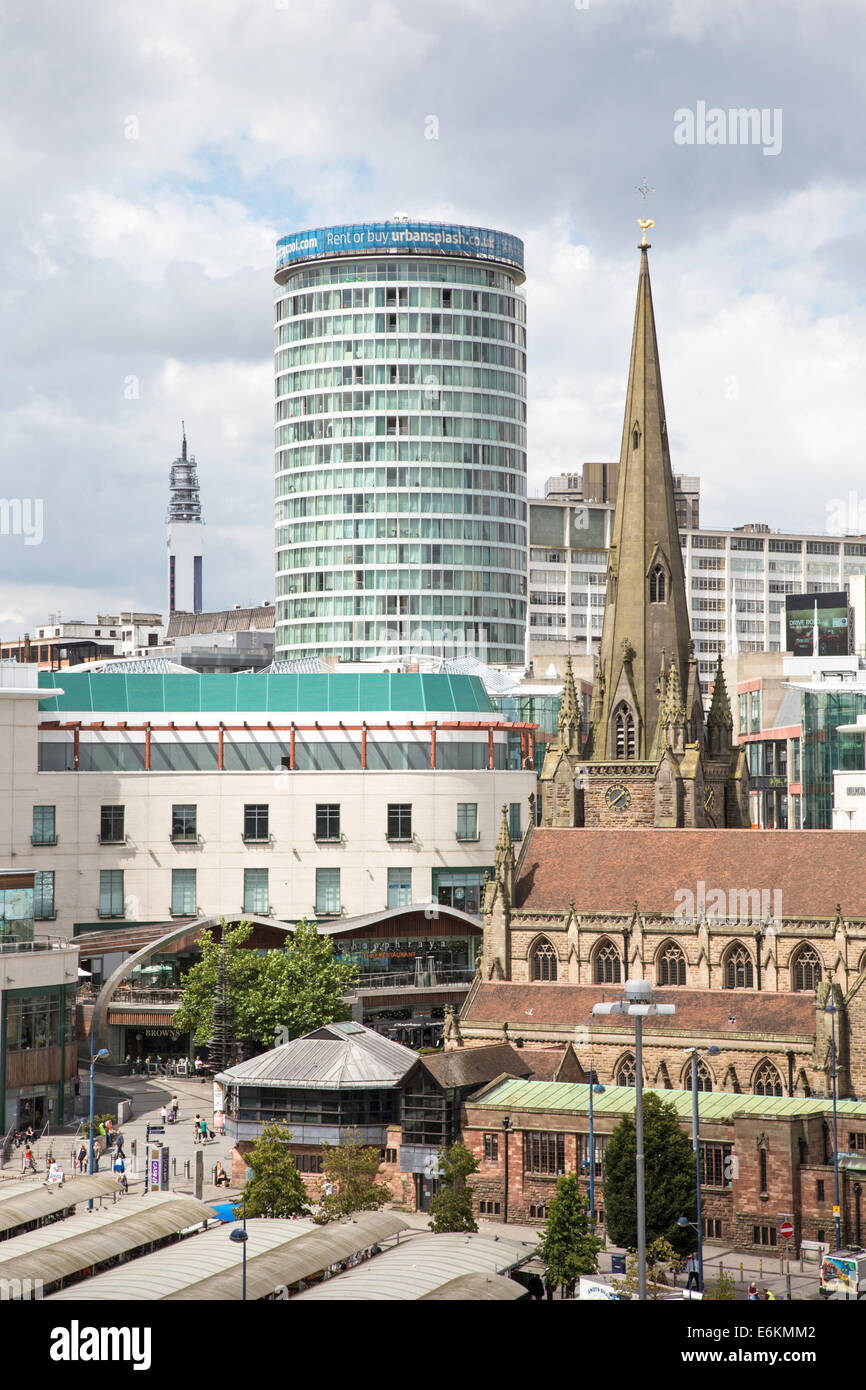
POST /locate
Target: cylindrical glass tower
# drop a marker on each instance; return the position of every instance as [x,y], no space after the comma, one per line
[400,382]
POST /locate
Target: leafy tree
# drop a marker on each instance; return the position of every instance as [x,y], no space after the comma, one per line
[569,1248]
[349,1181]
[274,995]
[670,1179]
[661,1259]
[722,1289]
[276,1187]
[451,1207]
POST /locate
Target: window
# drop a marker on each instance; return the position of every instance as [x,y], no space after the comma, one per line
[762,1159]
[626,1072]
[739,972]
[514,810]
[857,1141]
[328,822]
[460,887]
[623,732]
[183,893]
[399,887]
[766,1235]
[43,897]
[657,585]
[308,1163]
[713,1228]
[328,892]
[807,969]
[256,890]
[819,1190]
[256,822]
[705,1080]
[389,1155]
[671,965]
[607,969]
[717,1169]
[184,824]
[487,1208]
[542,962]
[467,820]
[543,1153]
[768,1082]
[538,1211]
[399,822]
[44,827]
[111,893]
[491,1148]
[111,827]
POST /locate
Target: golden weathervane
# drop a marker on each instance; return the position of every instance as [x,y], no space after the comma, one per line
[645,223]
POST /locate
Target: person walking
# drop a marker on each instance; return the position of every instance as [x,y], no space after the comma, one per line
[82,1158]
[97,1153]
[163,1113]
[174,1107]
[118,1145]
[198,1066]
[27,1161]
[203,1124]
[692,1272]
[197,1132]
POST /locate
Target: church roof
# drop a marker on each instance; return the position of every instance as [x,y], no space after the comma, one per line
[474,1066]
[722,1012]
[610,870]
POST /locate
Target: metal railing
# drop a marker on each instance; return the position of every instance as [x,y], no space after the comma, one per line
[419,979]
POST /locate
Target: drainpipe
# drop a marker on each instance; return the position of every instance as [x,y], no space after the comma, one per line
[506,1127]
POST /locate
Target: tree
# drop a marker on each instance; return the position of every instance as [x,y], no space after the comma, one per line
[670,1179]
[723,1289]
[272,996]
[276,1187]
[660,1258]
[349,1181]
[451,1207]
[569,1248]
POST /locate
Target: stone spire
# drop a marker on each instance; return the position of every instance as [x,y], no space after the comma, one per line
[646,612]
[720,720]
[503,859]
[570,717]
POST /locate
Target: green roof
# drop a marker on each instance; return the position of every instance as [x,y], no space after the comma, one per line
[250,692]
[564,1096]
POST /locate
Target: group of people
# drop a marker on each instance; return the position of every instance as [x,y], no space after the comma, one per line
[165,1066]
[765,1296]
[170,1113]
[201,1131]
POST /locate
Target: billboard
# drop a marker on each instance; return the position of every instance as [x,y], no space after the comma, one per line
[826,614]
[366,238]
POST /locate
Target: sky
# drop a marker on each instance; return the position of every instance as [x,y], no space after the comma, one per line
[153,154]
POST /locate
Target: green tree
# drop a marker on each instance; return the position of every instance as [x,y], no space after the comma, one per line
[662,1261]
[349,1172]
[670,1179]
[569,1248]
[274,995]
[451,1207]
[723,1289]
[276,1187]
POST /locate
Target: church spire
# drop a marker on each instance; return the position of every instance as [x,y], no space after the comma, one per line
[646,593]
[570,722]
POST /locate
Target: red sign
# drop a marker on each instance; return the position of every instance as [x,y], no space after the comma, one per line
[786,1230]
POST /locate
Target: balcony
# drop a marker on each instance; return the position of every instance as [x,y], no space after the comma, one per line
[185,837]
[415,979]
[467,839]
[37,840]
[265,839]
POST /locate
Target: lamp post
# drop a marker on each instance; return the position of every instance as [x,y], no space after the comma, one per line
[242,1237]
[638,1004]
[94,1058]
[506,1127]
[830,1008]
[694,1052]
[594,1086]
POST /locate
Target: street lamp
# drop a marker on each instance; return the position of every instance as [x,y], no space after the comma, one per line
[830,1008]
[242,1237]
[94,1058]
[694,1053]
[594,1086]
[506,1128]
[638,1005]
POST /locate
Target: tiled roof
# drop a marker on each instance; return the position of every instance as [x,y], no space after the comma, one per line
[610,870]
[336,1056]
[473,1066]
[525,1007]
[364,693]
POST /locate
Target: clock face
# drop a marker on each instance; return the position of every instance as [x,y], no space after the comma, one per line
[618,798]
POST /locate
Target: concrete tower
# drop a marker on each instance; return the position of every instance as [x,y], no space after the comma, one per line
[185,536]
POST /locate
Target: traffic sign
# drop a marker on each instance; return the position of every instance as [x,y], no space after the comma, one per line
[837,1211]
[786,1230]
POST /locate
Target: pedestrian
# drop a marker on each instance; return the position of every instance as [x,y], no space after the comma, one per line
[221,1177]
[28,1160]
[693,1272]
[752,1294]
[118,1144]
[119,1166]
[97,1152]
[768,1297]
[175,1107]
[163,1112]
[203,1131]
[124,1184]
[198,1066]
[197,1133]
[82,1158]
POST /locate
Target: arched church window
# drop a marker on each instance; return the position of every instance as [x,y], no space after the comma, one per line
[625,1072]
[671,965]
[705,1079]
[635,438]
[768,1082]
[739,972]
[807,969]
[543,962]
[657,585]
[608,969]
[623,726]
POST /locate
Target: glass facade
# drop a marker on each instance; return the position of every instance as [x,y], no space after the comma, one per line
[825,749]
[400,420]
[408,955]
[256,890]
[183,893]
[16,914]
[296,1107]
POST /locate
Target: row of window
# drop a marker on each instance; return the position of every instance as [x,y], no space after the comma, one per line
[256,823]
[606,961]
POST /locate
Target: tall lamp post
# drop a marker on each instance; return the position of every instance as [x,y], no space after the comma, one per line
[694,1053]
[594,1086]
[830,1008]
[242,1237]
[638,1004]
[94,1058]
